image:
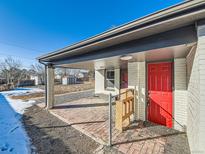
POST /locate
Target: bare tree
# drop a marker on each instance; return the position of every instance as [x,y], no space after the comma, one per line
[11,70]
[38,70]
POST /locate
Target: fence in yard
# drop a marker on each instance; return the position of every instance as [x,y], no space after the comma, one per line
[4,87]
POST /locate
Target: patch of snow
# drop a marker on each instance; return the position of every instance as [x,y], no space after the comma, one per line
[18,105]
[22,91]
[13,137]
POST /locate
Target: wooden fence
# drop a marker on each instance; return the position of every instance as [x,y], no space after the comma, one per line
[5,87]
[124,108]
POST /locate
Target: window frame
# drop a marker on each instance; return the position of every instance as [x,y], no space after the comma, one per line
[109,79]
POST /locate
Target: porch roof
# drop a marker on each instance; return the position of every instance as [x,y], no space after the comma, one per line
[162,54]
[176,22]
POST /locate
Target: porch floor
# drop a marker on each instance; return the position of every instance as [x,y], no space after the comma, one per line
[90,116]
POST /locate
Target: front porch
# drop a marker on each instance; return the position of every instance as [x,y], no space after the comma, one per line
[170,36]
[90,116]
[159,96]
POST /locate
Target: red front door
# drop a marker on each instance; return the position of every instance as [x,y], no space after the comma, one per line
[160,93]
[123,78]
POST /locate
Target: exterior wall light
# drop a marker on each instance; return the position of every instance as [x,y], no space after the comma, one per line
[126,57]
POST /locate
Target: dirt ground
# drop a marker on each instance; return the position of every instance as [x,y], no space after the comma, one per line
[49,135]
[58,89]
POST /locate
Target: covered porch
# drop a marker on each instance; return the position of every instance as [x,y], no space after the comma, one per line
[116,74]
[160,57]
[90,116]
[140,121]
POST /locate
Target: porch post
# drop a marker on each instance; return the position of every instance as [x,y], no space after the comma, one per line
[45,83]
[110,120]
[49,87]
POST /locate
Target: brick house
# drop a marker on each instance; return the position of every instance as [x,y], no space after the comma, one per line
[161,56]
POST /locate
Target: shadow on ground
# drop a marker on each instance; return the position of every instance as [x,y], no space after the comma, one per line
[50,135]
[141,132]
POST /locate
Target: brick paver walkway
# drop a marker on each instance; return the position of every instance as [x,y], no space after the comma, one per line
[90,116]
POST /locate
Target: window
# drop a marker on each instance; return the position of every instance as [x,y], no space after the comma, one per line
[110,79]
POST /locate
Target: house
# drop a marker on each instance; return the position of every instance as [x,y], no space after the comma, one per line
[38,80]
[2,80]
[24,83]
[161,56]
[75,77]
[70,79]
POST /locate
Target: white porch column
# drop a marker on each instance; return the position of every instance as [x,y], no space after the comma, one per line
[196,93]
[50,87]
[117,81]
[99,81]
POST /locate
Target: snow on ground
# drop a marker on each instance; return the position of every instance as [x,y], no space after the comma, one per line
[13,137]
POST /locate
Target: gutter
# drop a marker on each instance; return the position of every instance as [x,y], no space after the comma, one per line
[42,62]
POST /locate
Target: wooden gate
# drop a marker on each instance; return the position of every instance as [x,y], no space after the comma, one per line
[124,108]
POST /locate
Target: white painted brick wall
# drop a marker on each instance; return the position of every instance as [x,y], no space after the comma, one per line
[136,77]
[196,94]
[117,81]
[180,94]
[193,100]
[201,52]
[99,81]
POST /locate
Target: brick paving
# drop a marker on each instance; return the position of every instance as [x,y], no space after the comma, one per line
[90,116]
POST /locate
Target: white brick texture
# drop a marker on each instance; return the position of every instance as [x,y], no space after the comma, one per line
[99,81]
[137,78]
[180,94]
[196,94]
[117,81]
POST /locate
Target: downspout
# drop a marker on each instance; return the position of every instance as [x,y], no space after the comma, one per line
[139,95]
[45,80]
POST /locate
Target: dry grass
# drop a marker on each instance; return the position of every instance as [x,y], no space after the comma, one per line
[59,89]
[29,96]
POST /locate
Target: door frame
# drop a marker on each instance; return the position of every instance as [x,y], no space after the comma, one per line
[146,86]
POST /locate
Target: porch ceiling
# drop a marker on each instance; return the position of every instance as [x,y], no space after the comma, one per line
[151,55]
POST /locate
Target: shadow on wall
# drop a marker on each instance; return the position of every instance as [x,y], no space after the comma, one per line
[190,61]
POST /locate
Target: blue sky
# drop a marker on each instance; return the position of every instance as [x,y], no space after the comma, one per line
[29,29]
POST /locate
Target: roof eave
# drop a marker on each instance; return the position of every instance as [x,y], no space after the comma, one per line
[127,26]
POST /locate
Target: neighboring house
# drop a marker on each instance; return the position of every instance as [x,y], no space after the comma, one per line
[37,80]
[70,79]
[24,83]
[73,79]
[58,77]
[2,80]
[161,55]
[84,75]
